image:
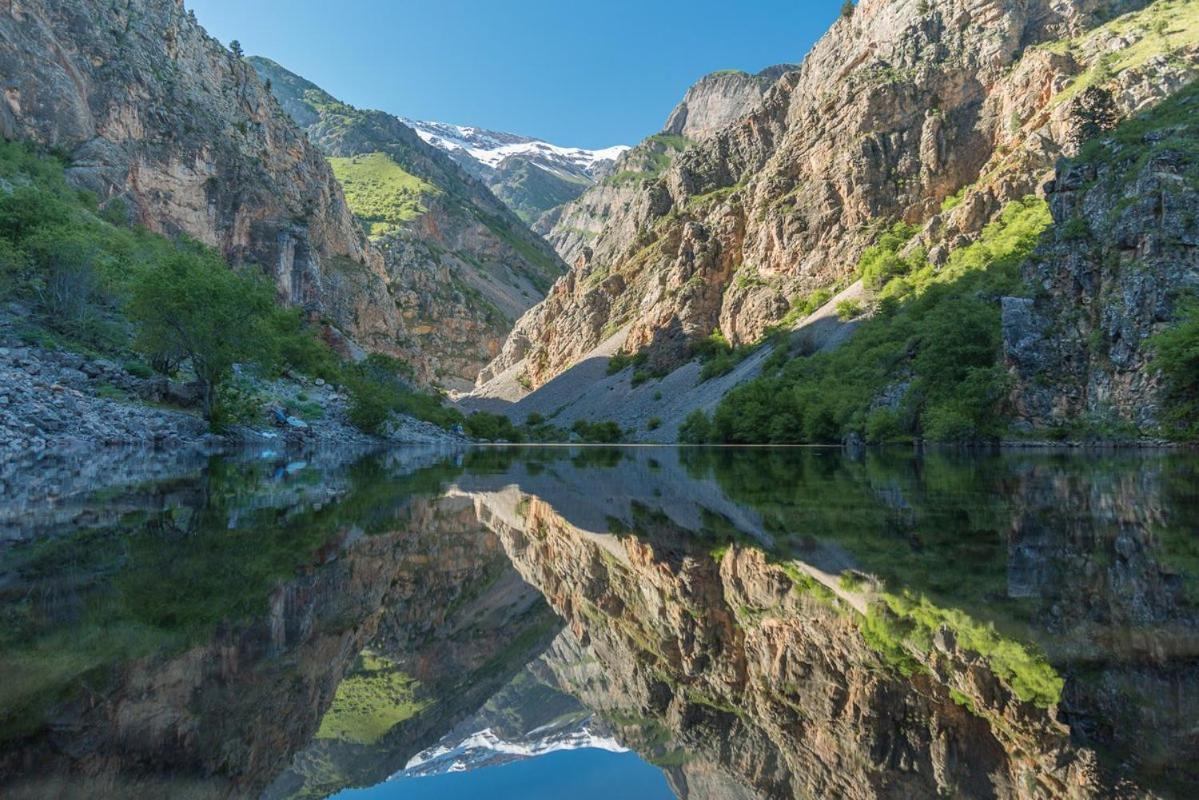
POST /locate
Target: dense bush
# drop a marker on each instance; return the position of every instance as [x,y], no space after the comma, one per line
[696,429]
[598,432]
[1177,356]
[881,261]
[492,428]
[378,387]
[191,305]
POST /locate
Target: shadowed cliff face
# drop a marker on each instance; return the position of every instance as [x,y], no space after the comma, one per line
[461,266]
[756,623]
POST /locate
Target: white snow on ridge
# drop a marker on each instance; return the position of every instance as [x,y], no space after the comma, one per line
[485,748]
[491,148]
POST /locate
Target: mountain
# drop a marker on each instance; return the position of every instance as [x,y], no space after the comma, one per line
[527,718]
[460,264]
[153,115]
[909,149]
[531,176]
[720,98]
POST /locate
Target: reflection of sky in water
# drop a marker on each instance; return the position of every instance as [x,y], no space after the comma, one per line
[578,775]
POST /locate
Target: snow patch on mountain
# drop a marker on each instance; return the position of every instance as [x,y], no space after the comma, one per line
[485,748]
[492,148]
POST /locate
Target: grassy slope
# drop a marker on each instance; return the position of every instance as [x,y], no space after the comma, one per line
[372,700]
[380,192]
[1164,27]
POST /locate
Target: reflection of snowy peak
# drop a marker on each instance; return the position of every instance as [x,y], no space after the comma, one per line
[492,148]
[530,176]
[487,749]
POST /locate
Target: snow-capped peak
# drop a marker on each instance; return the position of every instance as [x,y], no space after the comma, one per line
[485,749]
[491,148]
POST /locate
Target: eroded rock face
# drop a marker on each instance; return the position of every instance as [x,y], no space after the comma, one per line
[1125,249]
[152,110]
[222,713]
[751,680]
[893,111]
[458,620]
[720,98]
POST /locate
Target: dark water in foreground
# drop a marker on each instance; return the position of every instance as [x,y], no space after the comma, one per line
[603,622]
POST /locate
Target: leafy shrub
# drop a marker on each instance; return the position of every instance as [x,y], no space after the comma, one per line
[718,356]
[653,424]
[882,426]
[192,304]
[943,338]
[848,309]
[696,429]
[621,361]
[814,301]
[714,346]
[597,432]
[377,390]
[492,427]
[139,369]
[881,261]
[237,404]
[1177,356]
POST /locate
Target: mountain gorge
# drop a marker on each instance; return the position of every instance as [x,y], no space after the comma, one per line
[915,120]
[460,264]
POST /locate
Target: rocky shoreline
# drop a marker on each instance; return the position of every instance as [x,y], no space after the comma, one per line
[57,404]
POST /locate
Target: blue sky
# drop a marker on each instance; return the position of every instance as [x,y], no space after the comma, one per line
[583,74]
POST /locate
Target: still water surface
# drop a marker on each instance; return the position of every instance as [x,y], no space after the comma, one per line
[602,622]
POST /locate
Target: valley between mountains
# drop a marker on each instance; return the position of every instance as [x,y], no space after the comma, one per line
[276,370]
[963,221]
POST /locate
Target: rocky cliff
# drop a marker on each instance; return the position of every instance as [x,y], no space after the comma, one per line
[934,114]
[368,621]
[719,99]
[461,266]
[155,115]
[458,624]
[1125,251]
[774,689]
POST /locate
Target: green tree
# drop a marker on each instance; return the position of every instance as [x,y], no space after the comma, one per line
[847,9]
[193,305]
[1177,356]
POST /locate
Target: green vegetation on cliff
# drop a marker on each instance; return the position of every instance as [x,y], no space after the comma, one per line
[95,285]
[380,192]
[375,697]
[927,364]
[648,160]
[1178,359]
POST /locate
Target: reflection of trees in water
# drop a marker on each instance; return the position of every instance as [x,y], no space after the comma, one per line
[727,661]
[229,609]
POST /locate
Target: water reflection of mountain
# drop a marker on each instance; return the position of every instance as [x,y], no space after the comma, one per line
[757,623]
[984,564]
